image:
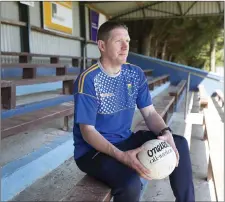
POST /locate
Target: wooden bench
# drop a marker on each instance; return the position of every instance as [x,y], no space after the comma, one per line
[90,189]
[67,80]
[26,121]
[219,97]
[29,75]
[22,118]
[157,81]
[177,90]
[8,87]
[203,97]
[214,133]
[17,119]
[25,58]
[148,72]
[164,105]
[30,70]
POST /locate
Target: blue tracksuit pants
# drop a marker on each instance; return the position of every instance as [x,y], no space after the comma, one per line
[125,182]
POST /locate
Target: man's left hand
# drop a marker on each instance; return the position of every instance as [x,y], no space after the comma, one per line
[168,137]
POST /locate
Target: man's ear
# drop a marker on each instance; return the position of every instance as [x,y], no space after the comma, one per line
[101,45]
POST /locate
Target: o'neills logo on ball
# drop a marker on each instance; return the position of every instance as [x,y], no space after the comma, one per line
[153,152]
[157,148]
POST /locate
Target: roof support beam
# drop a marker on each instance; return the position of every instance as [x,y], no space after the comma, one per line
[219,6]
[139,4]
[143,11]
[190,7]
[179,8]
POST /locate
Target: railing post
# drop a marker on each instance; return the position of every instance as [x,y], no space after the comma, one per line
[186,101]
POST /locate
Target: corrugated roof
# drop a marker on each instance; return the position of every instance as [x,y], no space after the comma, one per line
[156,9]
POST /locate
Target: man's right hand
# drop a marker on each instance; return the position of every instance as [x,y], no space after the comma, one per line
[130,159]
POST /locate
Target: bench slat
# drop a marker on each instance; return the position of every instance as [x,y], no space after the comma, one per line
[148,72]
[89,189]
[35,106]
[176,90]
[203,96]
[5,83]
[157,81]
[31,120]
[43,79]
[162,105]
[37,55]
[29,65]
[214,131]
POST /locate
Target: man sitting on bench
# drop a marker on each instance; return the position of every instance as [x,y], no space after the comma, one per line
[105,98]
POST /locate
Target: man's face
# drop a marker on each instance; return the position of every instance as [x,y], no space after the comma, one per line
[116,48]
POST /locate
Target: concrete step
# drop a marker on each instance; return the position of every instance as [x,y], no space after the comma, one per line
[42,150]
[58,182]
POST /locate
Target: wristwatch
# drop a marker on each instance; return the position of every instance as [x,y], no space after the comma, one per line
[163,131]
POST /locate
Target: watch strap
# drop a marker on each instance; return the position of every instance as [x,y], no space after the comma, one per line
[163,130]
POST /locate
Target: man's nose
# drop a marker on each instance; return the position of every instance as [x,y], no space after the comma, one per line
[125,45]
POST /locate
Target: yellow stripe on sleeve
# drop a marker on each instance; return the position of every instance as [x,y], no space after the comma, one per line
[81,76]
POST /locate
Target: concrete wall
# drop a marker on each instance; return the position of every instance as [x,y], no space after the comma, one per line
[161,67]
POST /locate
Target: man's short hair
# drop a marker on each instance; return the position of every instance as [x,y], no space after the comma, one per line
[105,28]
